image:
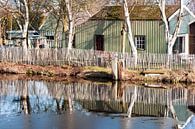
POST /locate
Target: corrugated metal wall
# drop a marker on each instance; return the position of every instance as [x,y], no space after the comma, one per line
[111,29]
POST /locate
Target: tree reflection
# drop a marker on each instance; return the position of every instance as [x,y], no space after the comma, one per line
[134,97]
[43,96]
[25,100]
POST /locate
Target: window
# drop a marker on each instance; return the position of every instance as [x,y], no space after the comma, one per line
[140,42]
[99,42]
[50,37]
[179,46]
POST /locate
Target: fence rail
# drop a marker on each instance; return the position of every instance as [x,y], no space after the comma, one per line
[80,57]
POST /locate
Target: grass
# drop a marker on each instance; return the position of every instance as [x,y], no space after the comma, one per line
[156,71]
[97,69]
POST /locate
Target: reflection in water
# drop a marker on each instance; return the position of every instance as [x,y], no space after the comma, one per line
[31,97]
[190,122]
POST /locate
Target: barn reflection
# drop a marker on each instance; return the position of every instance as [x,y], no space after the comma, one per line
[119,99]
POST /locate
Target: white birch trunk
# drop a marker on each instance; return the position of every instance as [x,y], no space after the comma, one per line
[177,29]
[123,39]
[18,23]
[26,24]
[170,39]
[129,31]
[56,34]
[25,29]
[162,6]
[87,11]
[71,23]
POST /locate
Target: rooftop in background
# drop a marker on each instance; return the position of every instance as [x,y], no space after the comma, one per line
[140,12]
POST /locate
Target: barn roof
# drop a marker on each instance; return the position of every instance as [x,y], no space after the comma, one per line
[140,12]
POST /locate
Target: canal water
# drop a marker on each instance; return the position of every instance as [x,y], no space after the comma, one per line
[30,104]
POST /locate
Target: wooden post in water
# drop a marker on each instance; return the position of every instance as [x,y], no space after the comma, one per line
[115,90]
[120,69]
[115,68]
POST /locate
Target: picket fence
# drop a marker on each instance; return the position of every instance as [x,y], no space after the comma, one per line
[80,57]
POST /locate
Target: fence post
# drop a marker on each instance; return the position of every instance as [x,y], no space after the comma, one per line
[115,68]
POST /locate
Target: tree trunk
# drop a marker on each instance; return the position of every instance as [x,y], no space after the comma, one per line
[56,34]
[173,39]
[129,31]
[123,39]
[25,100]
[26,25]
[162,6]
[25,30]
[71,24]
[65,28]
[170,39]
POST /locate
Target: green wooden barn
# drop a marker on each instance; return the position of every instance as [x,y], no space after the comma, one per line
[103,31]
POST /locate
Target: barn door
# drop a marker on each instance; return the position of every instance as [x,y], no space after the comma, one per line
[192,39]
[99,42]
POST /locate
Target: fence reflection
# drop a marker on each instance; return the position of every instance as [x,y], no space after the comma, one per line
[40,96]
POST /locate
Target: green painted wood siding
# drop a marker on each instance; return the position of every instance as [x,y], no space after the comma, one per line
[186,20]
[111,29]
[154,32]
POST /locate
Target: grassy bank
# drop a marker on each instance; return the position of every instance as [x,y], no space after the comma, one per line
[99,73]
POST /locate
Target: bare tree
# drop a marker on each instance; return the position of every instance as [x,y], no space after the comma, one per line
[62,11]
[4,21]
[129,31]
[26,13]
[20,11]
[78,12]
[170,38]
[70,13]
[70,23]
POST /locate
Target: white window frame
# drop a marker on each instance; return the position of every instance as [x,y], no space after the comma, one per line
[140,42]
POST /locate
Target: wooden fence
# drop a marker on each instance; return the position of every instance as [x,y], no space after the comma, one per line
[80,57]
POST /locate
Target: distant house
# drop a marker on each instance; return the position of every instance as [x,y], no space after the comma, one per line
[48,30]
[103,30]
[14,38]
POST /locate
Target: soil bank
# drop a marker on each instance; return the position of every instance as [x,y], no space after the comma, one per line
[99,73]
